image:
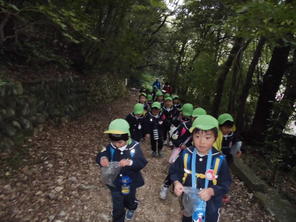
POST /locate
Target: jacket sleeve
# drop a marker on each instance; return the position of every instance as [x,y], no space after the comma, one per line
[146,125]
[178,141]
[224,180]
[139,161]
[237,137]
[128,119]
[176,170]
[104,153]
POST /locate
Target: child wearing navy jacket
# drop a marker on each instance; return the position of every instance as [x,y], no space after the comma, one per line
[136,122]
[130,157]
[169,113]
[211,178]
[154,125]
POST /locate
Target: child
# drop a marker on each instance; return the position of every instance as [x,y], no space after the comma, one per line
[136,122]
[181,139]
[128,152]
[197,112]
[169,113]
[228,139]
[176,102]
[143,100]
[153,128]
[211,175]
[186,114]
[149,101]
[167,88]
[159,97]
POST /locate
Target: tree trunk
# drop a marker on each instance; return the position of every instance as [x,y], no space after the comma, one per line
[223,74]
[271,82]
[289,95]
[248,83]
[234,82]
[175,77]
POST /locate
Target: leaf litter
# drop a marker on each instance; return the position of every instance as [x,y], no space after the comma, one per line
[60,180]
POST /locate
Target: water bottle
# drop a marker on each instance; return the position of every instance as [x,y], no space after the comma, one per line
[125,185]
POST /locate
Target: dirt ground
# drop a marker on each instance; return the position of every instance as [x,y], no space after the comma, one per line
[59,181]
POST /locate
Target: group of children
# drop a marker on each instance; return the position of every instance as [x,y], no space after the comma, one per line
[199,144]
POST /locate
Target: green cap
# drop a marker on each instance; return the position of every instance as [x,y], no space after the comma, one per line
[204,122]
[143,94]
[175,96]
[149,97]
[168,98]
[159,93]
[198,111]
[156,105]
[150,89]
[139,108]
[187,109]
[167,95]
[225,117]
[118,126]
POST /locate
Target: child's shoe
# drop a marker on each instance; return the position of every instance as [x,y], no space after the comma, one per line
[153,154]
[159,154]
[226,199]
[129,214]
[163,192]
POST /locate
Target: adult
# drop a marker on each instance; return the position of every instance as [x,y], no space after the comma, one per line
[168,88]
[156,84]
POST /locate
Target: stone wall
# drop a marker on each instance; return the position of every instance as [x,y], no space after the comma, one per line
[25,107]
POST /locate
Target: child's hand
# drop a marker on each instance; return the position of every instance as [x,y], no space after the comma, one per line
[206,194]
[183,147]
[238,154]
[124,162]
[104,162]
[178,188]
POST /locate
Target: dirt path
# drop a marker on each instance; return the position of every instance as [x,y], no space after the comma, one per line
[60,181]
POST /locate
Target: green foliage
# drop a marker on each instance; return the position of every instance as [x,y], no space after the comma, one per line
[278,146]
[110,36]
[105,89]
[271,19]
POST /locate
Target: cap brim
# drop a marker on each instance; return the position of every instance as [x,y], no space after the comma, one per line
[227,119]
[204,127]
[114,132]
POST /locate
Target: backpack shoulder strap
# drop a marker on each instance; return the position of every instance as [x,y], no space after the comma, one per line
[186,162]
[112,152]
[218,160]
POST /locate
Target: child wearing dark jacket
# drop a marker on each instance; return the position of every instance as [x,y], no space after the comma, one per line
[131,160]
[169,114]
[136,122]
[143,100]
[181,139]
[153,128]
[202,170]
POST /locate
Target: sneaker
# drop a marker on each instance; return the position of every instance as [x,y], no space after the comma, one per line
[153,154]
[129,214]
[226,199]
[163,192]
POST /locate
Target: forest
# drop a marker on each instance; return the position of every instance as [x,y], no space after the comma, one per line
[235,56]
